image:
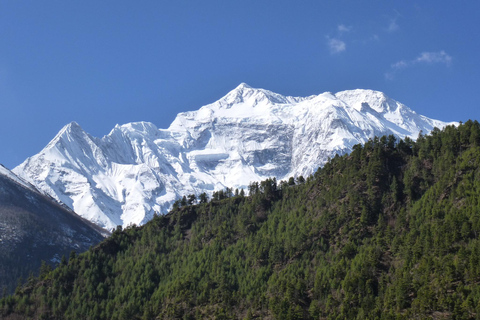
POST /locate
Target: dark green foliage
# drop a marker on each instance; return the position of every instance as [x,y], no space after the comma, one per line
[192,199]
[203,198]
[183,202]
[387,232]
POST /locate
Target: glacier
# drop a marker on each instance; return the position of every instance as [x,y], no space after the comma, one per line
[248,135]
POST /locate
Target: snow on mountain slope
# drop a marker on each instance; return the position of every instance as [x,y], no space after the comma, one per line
[248,135]
[10,175]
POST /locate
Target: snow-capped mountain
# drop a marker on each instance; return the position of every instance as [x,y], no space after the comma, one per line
[248,135]
[34,227]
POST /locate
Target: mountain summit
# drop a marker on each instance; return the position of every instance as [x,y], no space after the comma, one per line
[247,135]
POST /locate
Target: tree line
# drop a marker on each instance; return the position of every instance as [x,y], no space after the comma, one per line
[389,231]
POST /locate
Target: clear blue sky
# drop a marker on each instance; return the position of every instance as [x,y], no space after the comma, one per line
[100,63]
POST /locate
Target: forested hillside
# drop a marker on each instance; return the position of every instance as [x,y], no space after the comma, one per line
[387,232]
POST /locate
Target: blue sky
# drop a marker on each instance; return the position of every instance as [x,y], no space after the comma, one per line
[100,63]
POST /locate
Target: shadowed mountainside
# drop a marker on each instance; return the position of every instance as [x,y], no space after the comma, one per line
[34,227]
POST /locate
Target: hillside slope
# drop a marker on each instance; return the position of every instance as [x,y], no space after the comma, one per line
[34,227]
[387,232]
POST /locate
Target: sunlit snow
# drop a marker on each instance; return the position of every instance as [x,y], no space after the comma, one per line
[248,135]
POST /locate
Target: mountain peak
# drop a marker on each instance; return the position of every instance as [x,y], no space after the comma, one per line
[143,127]
[242,86]
[377,100]
[67,132]
[245,94]
[72,126]
[244,89]
[248,135]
